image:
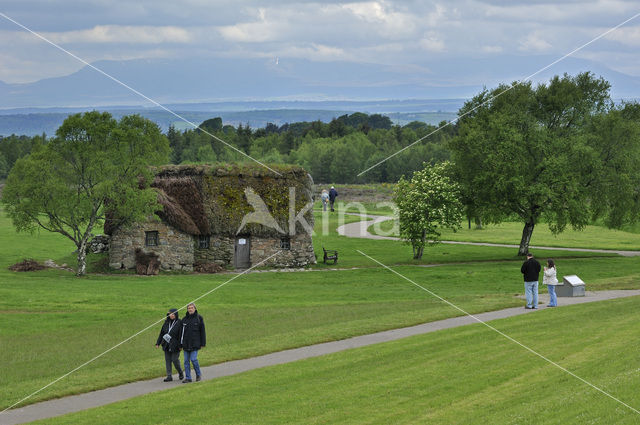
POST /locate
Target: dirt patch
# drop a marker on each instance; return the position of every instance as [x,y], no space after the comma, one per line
[27,265]
[208,268]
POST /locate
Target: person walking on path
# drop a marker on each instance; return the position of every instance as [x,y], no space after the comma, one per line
[531,271]
[333,194]
[324,196]
[169,338]
[551,281]
[192,339]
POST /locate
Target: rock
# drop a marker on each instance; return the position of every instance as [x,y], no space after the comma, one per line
[99,244]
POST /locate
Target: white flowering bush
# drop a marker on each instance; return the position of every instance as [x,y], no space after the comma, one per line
[427,203]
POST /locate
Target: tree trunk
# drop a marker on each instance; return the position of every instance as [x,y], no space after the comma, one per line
[478,223]
[417,252]
[526,237]
[469,220]
[82,258]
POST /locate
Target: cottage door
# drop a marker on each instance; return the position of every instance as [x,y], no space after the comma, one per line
[242,257]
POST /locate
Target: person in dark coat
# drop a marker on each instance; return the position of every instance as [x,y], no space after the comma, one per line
[333,194]
[531,271]
[192,339]
[169,338]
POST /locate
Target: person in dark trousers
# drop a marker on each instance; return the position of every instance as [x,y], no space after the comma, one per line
[531,271]
[192,339]
[333,194]
[169,338]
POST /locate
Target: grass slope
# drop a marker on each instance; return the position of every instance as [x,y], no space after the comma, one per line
[54,321]
[467,375]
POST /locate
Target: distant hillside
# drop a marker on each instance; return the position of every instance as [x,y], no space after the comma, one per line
[47,122]
[246,79]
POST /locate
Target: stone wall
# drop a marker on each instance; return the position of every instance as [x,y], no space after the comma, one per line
[301,253]
[179,251]
[175,249]
[220,251]
[99,244]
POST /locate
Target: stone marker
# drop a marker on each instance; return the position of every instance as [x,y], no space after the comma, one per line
[572,286]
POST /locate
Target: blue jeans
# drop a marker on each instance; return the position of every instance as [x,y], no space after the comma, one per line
[531,292]
[553,299]
[191,356]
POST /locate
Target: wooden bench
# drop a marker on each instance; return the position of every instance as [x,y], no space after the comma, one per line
[330,254]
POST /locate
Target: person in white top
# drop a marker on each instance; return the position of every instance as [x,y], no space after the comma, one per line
[551,281]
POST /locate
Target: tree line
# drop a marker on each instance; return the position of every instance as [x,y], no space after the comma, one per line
[332,152]
[336,151]
[561,153]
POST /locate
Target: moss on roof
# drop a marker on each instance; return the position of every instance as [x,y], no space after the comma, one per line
[211,200]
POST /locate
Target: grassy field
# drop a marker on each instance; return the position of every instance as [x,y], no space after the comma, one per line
[511,232]
[468,375]
[54,321]
[396,252]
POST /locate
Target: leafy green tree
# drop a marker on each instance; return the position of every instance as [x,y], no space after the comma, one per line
[4,166]
[197,148]
[427,203]
[94,163]
[211,125]
[611,163]
[523,151]
[176,143]
[243,138]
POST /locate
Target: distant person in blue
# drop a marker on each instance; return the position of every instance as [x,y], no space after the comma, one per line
[531,271]
[324,196]
[192,339]
[551,281]
[333,193]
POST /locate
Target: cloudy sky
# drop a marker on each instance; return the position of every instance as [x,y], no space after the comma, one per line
[402,33]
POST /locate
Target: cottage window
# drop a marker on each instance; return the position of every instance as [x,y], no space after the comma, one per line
[285,243]
[203,241]
[151,238]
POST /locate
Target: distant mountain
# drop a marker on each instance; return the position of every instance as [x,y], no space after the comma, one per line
[232,79]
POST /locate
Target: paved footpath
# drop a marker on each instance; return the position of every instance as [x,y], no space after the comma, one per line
[48,409]
[359,229]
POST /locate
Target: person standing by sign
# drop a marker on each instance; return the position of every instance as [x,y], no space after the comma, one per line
[333,194]
[192,339]
[551,281]
[531,271]
[169,338]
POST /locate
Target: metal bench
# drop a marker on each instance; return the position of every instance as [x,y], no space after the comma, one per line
[330,254]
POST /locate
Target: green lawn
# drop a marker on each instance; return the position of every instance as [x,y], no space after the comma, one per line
[397,252]
[61,321]
[467,375]
[380,208]
[511,232]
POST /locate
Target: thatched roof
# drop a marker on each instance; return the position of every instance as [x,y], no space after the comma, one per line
[211,199]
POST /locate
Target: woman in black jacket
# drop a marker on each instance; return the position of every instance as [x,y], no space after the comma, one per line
[169,338]
[193,338]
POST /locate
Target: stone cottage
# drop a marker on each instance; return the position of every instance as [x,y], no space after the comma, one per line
[230,215]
